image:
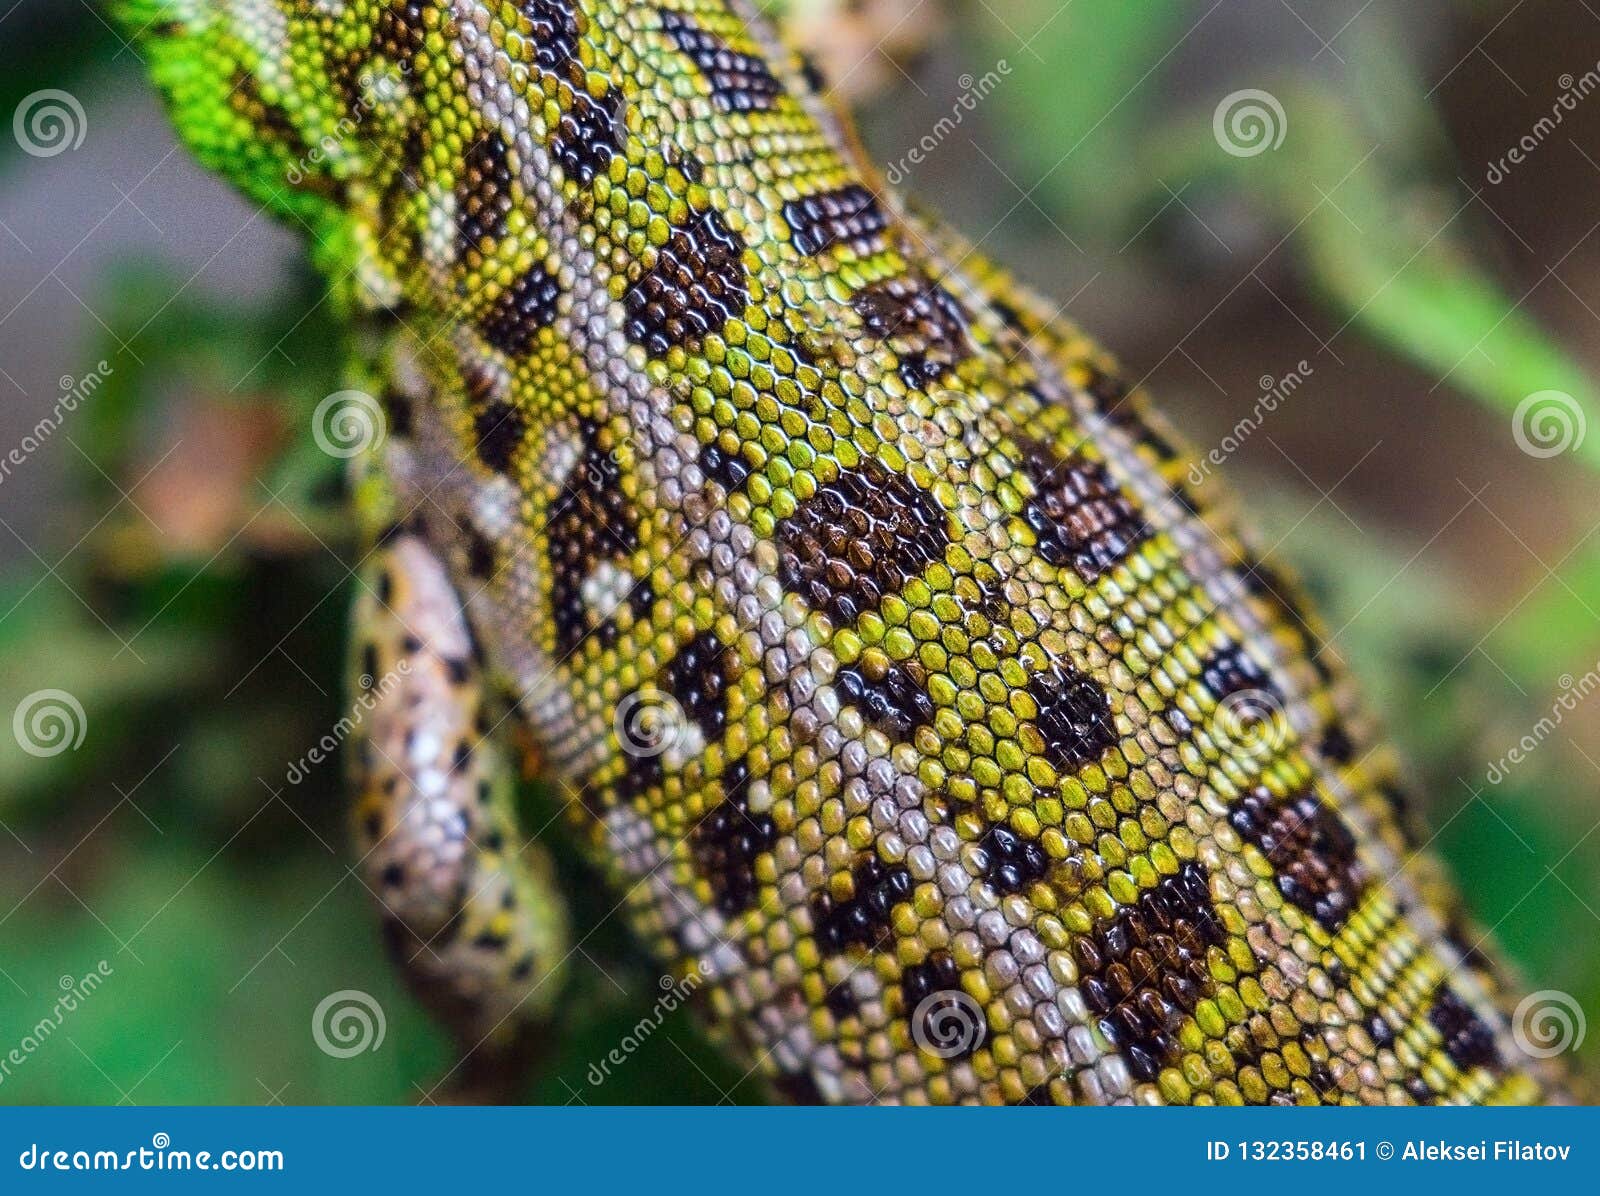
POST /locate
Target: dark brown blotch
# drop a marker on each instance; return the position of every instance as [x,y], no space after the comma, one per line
[1074,716]
[696,285]
[739,82]
[729,840]
[483,196]
[591,521]
[848,215]
[526,306]
[859,538]
[862,919]
[1078,515]
[924,324]
[1144,970]
[1309,847]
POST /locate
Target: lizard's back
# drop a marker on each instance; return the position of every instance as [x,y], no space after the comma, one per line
[909,699]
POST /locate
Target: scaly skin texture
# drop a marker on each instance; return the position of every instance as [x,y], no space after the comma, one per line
[903,691]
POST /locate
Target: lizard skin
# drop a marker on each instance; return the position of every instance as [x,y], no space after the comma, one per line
[902,690]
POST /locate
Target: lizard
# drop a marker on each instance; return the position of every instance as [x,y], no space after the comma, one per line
[915,709]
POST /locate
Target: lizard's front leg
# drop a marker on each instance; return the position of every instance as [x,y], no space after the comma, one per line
[470,908]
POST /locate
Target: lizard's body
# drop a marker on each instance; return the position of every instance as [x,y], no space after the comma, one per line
[977,762]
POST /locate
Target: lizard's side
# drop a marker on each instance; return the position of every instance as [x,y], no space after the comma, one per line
[901,688]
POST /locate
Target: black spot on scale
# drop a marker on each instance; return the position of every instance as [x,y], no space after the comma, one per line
[554,33]
[861,920]
[1309,847]
[697,679]
[1380,1031]
[1013,862]
[525,307]
[729,840]
[1230,670]
[895,703]
[1281,595]
[798,1088]
[1144,970]
[815,80]
[483,196]
[739,82]
[480,555]
[1468,1040]
[696,285]
[924,324]
[727,469]
[1077,514]
[1335,745]
[590,522]
[401,32]
[860,537]
[398,404]
[589,135]
[499,428]
[849,215]
[1074,716]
